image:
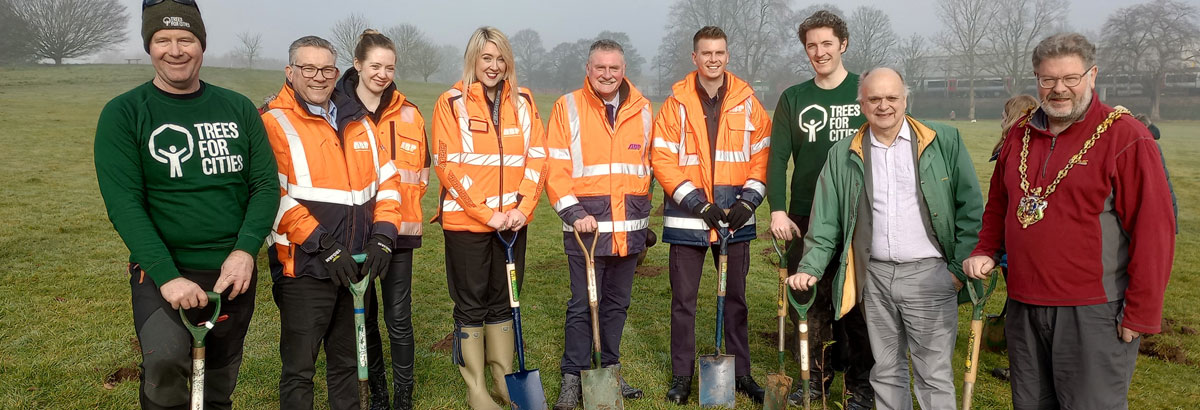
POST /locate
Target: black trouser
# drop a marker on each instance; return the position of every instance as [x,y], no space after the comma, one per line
[686,264]
[851,350]
[476,276]
[167,345]
[397,315]
[614,284]
[313,312]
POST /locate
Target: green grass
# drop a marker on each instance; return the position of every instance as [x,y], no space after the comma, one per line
[65,321]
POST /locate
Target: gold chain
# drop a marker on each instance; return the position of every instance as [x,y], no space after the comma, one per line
[1075,159]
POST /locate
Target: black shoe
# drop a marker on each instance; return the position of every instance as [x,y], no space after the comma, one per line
[814,394]
[402,397]
[681,387]
[379,393]
[570,395]
[746,385]
[627,391]
[861,397]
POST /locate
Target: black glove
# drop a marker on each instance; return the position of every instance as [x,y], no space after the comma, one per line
[710,213]
[338,262]
[379,256]
[739,214]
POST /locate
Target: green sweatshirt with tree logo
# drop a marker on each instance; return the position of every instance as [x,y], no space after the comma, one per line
[187,179]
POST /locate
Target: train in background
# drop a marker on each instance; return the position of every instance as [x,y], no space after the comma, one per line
[1178,83]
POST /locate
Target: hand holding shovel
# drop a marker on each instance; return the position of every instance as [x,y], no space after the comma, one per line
[199,332]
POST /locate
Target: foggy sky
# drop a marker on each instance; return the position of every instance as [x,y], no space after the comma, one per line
[451,21]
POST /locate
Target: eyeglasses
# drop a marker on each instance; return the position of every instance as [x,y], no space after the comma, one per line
[310,71]
[148,3]
[1069,81]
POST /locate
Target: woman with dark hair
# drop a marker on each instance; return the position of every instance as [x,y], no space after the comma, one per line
[367,90]
[490,157]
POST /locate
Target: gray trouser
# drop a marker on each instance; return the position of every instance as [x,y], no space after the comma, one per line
[911,308]
[1069,357]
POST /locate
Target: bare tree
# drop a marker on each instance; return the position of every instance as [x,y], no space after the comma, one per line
[424,60]
[966,24]
[410,41]
[1151,40]
[450,71]
[633,60]
[564,64]
[1017,27]
[63,29]
[14,35]
[529,52]
[345,36]
[874,39]
[250,48]
[913,54]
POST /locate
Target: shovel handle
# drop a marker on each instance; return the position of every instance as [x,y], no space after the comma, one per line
[197,378]
[802,331]
[199,332]
[972,363]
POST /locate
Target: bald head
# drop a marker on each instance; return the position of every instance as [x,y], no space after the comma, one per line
[884,99]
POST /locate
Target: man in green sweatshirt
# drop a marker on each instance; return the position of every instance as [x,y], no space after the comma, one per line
[190,184]
[810,118]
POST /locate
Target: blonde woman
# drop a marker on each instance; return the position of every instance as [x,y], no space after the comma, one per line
[1014,109]
[490,157]
[367,90]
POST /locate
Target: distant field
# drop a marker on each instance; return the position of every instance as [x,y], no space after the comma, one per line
[65,321]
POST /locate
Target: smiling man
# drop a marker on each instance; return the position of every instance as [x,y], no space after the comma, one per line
[711,141]
[902,202]
[810,118]
[1090,234]
[340,196]
[599,145]
[190,184]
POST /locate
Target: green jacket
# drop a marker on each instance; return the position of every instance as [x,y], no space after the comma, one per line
[951,205]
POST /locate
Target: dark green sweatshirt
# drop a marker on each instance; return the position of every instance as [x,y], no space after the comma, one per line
[808,120]
[186,179]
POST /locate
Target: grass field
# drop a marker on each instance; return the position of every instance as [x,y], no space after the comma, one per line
[65,321]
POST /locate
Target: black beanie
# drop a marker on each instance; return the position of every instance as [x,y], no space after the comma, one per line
[171,15]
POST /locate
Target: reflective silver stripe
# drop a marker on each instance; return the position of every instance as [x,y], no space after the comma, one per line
[756,186]
[662,143]
[749,127]
[407,113]
[464,121]
[283,180]
[486,159]
[387,171]
[689,160]
[495,202]
[425,176]
[565,202]
[696,224]
[412,177]
[576,144]
[682,191]
[523,115]
[536,152]
[732,156]
[410,228]
[295,147]
[684,158]
[647,128]
[611,169]
[278,238]
[451,206]
[533,175]
[616,226]
[388,194]
[761,145]
[374,148]
[560,153]
[332,196]
[285,204]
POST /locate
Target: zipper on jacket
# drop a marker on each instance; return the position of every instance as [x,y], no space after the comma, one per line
[1053,140]
[499,143]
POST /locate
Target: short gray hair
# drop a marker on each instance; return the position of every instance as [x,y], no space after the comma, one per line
[862,80]
[310,41]
[1065,44]
[605,44]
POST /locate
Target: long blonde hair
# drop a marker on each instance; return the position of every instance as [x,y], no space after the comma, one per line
[1014,108]
[479,39]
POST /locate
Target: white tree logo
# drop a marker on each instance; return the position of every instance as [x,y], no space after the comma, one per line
[172,154]
[813,123]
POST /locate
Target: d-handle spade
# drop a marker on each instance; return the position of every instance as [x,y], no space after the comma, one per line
[717,370]
[601,390]
[779,383]
[199,332]
[524,386]
[357,290]
[802,332]
[978,302]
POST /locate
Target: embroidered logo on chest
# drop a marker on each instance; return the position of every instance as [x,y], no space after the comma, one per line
[408,147]
[511,131]
[362,146]
[635,146]
[737,109]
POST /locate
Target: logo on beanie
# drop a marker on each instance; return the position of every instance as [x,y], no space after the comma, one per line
[176,22]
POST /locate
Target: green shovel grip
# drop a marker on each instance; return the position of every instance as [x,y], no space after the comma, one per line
[360,287]
[979,301]
[199,332]
[802,309]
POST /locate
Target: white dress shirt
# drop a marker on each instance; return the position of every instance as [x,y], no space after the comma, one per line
[897,233]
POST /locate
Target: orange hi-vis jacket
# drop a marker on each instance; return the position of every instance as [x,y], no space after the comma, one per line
[484,168]
[340,183]
[401,130]
[692,172]
[602,170]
